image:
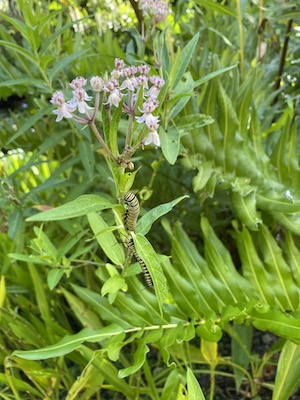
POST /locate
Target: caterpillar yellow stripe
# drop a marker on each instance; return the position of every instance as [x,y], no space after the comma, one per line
[132,211]
[130,245]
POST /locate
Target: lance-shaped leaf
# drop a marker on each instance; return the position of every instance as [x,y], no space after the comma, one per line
[279,322]
[182,60]
[288,372]
[148,255]
[83,205]
[279,204]
[292,254]
[147,220]
[106,239]
[194,389]
[285,289]
[243,198]
[140,353]
[170,142]
[69,343]
[253,268]
[235,287]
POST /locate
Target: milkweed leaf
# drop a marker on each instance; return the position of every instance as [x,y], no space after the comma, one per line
[83,205]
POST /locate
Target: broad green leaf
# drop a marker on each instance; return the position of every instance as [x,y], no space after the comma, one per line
[148,255]
[83,205]
[277,204]
[106,240]
[241,342]
[69,343]
[288,372]
[182,62]
[279,322]
[113,285]
[146,221]
[193,387]
[140,353]
[127,180]
[170,143]
[43,243]
[54,276]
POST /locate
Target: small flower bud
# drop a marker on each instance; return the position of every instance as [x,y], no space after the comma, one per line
[97,84]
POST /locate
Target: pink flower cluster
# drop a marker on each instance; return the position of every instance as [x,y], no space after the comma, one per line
[124,82]
[158,10]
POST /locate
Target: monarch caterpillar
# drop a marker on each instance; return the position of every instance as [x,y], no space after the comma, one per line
[132,211]
[130,245]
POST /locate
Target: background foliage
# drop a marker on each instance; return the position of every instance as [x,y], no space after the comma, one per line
[73,321]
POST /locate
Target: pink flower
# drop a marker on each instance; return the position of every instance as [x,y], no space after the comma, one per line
[79,100]
[64,109]
[78,82]
[153,137]
[114,98]
[130,83]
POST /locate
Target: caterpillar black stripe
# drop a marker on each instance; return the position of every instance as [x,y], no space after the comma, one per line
[132,211]
[130,245]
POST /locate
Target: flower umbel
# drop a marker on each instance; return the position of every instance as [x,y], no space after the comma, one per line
[157,10]
[129,84]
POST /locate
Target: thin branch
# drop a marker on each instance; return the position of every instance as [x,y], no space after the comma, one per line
[282,58]
[137,11]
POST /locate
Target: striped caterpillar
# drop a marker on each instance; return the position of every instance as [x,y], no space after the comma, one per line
[132,211]
[130,245]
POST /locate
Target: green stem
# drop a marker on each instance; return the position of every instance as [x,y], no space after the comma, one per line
[101,141]
[212,383]
[150,381]
[240,22]
[129,131]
